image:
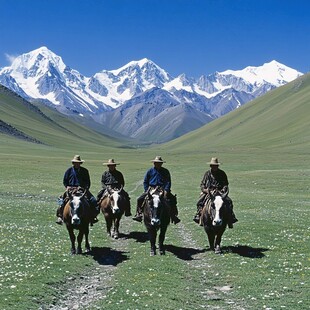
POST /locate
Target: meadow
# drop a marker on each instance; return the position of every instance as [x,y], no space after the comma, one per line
[266,259]
[264,149]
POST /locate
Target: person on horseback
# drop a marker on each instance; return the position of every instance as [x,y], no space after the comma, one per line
[75,177]
[113,178]
[214,180]
[158,176]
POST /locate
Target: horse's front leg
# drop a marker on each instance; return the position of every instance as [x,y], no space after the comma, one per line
[211,238]
[217,244]
[116,228]
[161,240]
[72,239]
[87,245]
[79,241]
[108,221]
[152,235]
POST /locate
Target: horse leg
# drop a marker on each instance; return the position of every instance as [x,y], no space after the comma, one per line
[108,220]
[211,238]
[161,238]
[152,236]
[116,228]
[87,245]
[79,240]
[217,244]
[72,239]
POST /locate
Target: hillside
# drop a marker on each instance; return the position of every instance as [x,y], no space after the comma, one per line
[23,120]
[280,120]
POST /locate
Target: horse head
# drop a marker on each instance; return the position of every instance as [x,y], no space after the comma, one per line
[154,198]
[115,198]
[216,210]
[77,202]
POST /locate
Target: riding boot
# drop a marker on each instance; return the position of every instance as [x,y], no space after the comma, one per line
[232,217]
[139,214]
[59,214]
[128,209]
[174,214]
[196,218]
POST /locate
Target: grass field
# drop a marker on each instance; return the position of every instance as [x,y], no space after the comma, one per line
[266,259]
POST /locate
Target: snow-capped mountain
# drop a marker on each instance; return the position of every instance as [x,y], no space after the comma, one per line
[131,98]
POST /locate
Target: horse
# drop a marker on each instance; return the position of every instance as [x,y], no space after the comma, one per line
[156,214]
[214,220]
[77,215]
[113,207]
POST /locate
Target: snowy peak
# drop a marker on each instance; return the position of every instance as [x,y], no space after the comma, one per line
[41,74]
[37,61]
[272,72]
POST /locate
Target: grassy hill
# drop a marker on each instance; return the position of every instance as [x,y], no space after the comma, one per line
[265,150]
[280,119]
[49,127]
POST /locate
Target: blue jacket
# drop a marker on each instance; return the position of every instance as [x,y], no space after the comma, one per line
[79,177]
[160,177]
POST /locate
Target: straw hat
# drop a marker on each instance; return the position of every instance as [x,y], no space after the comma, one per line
[77,159]
[158,159]
[214,161]
[111,162]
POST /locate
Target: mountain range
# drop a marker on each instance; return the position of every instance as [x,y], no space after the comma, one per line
[139,100]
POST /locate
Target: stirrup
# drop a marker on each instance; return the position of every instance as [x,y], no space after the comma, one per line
[196,219]
[137,218]
[176,220]
[59,221]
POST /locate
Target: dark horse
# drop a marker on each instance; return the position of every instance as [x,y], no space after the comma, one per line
[156,217]
[77,215]
[214,220]
[113,207]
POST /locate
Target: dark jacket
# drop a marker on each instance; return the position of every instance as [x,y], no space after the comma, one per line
[160,177]
[214,180]
[112,178]
[77,177]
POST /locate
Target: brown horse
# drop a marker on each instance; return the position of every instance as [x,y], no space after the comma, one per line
[214,220]
[156,218]
[113,205]
[77,215]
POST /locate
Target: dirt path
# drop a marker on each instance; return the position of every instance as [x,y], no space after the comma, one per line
[86,290]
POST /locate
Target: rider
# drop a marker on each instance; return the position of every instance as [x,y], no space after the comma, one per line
[113,178]
[158,176]
[74,177]
[214,179]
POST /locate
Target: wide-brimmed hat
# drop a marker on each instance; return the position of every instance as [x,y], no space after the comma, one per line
[214,161]
[111,162]
[77,159]
[158,159]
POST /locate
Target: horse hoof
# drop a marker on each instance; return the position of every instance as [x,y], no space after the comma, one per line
[152,253]
[218,251]
[79,251]
[162,252]
[73,252]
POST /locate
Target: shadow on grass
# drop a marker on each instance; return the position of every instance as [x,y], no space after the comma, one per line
[107,256]
[139,236]
[245,250]
[183,253]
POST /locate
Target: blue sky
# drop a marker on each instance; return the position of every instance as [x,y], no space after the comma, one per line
[182,36]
